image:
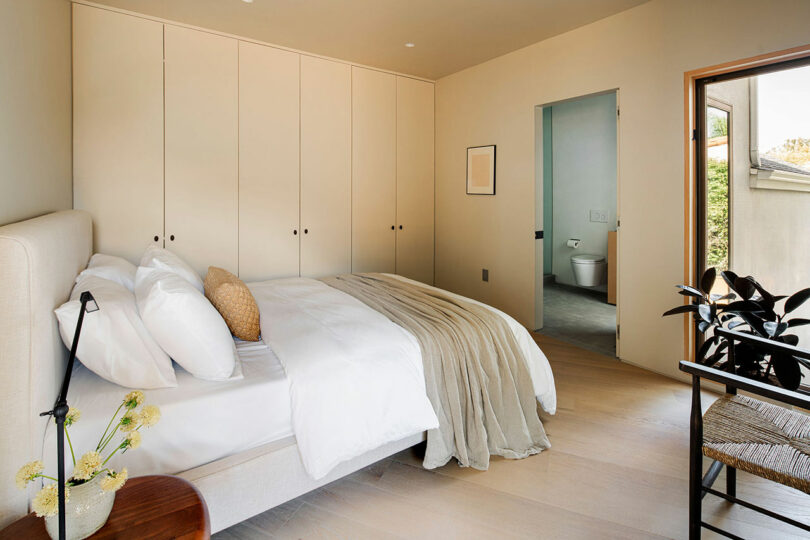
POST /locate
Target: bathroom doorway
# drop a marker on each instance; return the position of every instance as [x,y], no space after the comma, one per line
[577,221]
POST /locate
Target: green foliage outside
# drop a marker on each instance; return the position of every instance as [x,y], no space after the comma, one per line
[717,215]
[795,151]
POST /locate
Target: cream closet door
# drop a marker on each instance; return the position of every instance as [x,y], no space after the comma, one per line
[268,162]
[202,148]
[415,179]
[325,167]
[118,128]
[374,166]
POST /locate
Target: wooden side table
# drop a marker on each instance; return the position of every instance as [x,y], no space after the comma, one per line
[147,507]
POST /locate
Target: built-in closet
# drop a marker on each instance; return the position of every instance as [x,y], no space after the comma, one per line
[261,160]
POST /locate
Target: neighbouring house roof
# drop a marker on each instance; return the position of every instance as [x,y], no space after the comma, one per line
[777,165]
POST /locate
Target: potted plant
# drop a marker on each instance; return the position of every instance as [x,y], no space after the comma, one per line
[90,489]
[751,309]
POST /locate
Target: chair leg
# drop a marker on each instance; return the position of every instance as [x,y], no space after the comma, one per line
[695,462]
[731,481]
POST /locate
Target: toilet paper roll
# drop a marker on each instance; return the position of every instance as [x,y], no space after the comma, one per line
[573,243]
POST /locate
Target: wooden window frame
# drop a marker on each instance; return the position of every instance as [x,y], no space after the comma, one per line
[694,134]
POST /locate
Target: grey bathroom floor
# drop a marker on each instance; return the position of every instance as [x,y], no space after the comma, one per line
[579,318]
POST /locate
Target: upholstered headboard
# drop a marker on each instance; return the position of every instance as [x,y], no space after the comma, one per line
[39,261]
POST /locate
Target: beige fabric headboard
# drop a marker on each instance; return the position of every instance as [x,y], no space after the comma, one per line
[39,261]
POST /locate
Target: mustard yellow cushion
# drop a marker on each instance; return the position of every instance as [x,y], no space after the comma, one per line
[235,303]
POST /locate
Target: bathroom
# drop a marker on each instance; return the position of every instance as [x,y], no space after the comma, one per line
[578,219]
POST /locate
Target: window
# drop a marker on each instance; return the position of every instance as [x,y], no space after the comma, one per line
[780,130]
[718,183]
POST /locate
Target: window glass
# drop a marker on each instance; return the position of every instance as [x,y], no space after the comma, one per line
[783,118]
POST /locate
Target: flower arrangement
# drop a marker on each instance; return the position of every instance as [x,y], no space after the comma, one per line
[92,464]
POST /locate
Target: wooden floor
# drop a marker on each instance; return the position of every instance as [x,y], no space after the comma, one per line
[616,469]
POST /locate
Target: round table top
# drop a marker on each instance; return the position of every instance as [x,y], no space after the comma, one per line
[157,506]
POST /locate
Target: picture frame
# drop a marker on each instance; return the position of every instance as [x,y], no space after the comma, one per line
[481,170]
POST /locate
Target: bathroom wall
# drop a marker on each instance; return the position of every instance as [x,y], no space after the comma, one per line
[584,171]
[548,194]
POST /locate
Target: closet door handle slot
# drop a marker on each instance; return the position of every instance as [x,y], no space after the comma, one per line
[171,238]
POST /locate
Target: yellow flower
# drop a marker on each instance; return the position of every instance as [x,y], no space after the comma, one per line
[150,415]
[132,441]
[73,416]
[27,473]
[130,420]
[46,503]
[133,399]
[114,480]
[86,466]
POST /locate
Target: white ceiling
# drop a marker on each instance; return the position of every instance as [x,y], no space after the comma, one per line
[450,35]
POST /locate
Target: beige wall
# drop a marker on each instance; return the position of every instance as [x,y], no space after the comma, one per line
[35,118]
[643,52]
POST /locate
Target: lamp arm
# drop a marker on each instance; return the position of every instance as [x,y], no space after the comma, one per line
[60,411]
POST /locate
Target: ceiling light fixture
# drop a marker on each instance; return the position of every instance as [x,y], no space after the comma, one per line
[247,1]
[409,44]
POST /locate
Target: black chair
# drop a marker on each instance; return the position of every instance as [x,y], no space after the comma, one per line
[740,432]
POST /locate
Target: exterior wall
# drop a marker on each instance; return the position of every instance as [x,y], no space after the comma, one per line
[644,52]
[768,227]
[35,109]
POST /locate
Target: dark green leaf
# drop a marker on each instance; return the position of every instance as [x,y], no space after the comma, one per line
[729,277]
[707,281]
[797,300]
[744,287]
[787,370]
[798,322]
[681,309]
[706,312]
[741,306]
[703,326]
[790,339]
[735,324]
[704,349]
[686,290]
[773,329]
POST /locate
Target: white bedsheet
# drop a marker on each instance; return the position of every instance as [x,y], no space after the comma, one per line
[356,378]
[202,421]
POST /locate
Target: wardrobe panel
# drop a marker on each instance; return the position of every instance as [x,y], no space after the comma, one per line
[415,192]
[268,162]
[201,188]
[325,167]
[374,165]
[118,128]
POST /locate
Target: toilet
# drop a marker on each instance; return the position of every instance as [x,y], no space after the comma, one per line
[589,270]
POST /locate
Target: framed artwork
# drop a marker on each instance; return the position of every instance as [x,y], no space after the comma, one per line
[481,170]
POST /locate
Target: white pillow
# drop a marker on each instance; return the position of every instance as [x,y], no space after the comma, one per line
[163,259]
[114,343]
[185,324]
[111,267]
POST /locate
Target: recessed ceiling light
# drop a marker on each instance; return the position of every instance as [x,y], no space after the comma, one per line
[247,1]
[409,44]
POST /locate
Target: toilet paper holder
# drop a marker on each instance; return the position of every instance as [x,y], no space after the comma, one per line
[573,243]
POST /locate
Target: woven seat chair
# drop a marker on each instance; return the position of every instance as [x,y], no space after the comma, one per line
[741,432]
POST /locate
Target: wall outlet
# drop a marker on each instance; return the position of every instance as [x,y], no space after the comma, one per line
[598,216]
[485,274]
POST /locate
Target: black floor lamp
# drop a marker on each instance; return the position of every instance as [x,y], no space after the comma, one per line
[60,408]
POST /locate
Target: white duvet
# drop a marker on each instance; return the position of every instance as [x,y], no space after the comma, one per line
[356,378]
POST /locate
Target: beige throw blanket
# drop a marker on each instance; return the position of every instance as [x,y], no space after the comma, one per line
[476,377]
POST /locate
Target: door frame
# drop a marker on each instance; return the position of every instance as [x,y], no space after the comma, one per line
[537,111]
[694,135]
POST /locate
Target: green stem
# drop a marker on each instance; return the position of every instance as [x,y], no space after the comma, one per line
[117,448]
[70,444]
[98,446]
[46,476]
[110,437]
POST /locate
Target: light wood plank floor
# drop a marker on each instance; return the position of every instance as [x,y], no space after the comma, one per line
[616,469]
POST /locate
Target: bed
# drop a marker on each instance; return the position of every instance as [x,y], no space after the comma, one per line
[208,433]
